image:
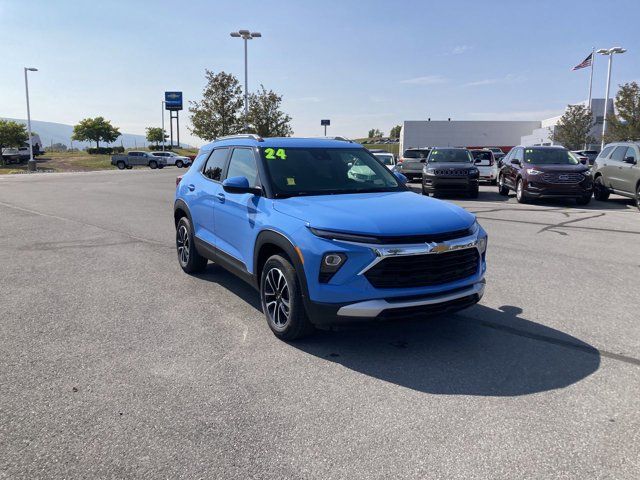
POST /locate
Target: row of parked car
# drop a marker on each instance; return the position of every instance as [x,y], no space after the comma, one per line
[152,160]
[530,171]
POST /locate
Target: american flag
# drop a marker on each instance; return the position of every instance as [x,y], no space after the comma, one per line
[585,63]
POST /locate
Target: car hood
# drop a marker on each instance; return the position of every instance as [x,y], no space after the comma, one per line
[388,213]
[448,165]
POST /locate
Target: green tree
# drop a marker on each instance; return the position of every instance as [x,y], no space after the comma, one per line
[156,135]
[219,111]
[375,133]
[95,130]
[265,117]
[12,134]
[572,131]
[395,131]
[625,125]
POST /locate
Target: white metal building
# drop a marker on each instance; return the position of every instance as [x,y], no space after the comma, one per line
[467,133]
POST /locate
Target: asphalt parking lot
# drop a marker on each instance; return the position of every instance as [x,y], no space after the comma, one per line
[117,364]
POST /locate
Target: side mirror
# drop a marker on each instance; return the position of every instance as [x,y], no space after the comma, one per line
[239,185]
[515,162]
[630,160]
[401,178]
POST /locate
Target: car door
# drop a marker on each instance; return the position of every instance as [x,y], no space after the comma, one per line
[204,190]
[236,214]
[614,168]
[135,159]
[628,171]
[512,168]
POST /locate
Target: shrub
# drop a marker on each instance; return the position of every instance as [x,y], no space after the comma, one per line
[100,151]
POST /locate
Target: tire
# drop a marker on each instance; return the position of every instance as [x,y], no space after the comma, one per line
[179,164]
[600,192]
[474,193]
[583,200]
[502,188]
[424,191]
[188,257]
[278,286]
[638,196]
[153,164]
[120,164]
[521,196]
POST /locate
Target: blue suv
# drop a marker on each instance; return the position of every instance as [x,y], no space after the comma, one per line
[326,233]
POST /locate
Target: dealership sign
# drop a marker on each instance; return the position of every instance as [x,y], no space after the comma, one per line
[173,100]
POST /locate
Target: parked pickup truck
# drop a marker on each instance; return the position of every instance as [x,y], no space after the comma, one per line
[132,159]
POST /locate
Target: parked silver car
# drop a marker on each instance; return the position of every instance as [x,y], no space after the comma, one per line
[173,158]
[412,161]
[616,170]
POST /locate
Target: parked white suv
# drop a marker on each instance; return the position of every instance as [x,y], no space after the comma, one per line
[487,166]
[173,158]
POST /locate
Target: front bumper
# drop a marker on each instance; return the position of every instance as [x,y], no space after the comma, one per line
[433,184]
[327,314]
[550,190]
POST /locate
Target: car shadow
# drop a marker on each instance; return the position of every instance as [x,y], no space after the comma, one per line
[479,351]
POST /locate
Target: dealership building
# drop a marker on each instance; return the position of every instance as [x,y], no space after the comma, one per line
[464,133]
[491,133]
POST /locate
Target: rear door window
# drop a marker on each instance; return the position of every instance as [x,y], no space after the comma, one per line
[605,153]
[619,154]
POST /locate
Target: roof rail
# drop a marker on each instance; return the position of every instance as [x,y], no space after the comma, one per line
[251,136]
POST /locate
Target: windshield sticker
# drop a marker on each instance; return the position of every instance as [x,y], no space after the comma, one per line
[291,181]
[272,153]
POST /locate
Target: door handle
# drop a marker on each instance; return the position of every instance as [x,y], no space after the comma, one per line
[221,197]
[191,187]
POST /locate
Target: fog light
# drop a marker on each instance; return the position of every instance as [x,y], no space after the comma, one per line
[331,263]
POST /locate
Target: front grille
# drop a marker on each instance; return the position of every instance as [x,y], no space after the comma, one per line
[458,172]
[424,270]
[553,177]
[422,311]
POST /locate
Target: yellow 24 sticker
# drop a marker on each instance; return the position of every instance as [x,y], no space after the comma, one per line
[272,153]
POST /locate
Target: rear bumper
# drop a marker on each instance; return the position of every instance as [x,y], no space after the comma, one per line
[395,308]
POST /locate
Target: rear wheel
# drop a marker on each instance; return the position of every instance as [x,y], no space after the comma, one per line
[120,165]
[153,164]
[521,196]
[502,188]
[188,257]
[600,192]
[281,298]
[179,163]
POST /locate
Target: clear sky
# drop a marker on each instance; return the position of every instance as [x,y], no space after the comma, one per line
[363,64]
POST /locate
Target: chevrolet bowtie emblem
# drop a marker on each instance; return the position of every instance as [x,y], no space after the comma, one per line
[438,247]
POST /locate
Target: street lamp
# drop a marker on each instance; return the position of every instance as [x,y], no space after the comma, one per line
[609,52]
[31,166]
[163,107]
[246,35]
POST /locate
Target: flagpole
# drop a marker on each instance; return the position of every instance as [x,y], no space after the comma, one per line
[593,60]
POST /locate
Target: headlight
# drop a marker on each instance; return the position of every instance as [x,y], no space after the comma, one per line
[429,170]
[482,244]
[473,170]
[533,171]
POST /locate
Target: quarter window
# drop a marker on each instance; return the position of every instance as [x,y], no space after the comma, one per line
[215,164]
[243,164]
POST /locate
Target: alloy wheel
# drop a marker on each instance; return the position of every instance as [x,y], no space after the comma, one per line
[277,299]
[182,241]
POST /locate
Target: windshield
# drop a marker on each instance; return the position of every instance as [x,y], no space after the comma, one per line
[416,153]
[450,155]
[385,158]
[550,156]
[326,171]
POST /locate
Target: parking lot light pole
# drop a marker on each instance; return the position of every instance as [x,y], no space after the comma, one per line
[246,35]
[610,52]
[163,125]
[31,166]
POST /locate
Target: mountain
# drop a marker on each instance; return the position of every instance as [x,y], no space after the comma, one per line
[51,132]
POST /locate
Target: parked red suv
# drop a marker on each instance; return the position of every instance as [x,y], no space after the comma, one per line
[545,172]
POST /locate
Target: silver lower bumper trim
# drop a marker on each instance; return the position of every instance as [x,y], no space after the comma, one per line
[372,308]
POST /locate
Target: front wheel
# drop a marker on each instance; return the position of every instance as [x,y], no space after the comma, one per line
[188,257]
[502,188]
[153,164]
[520,194]
[600,192]
[281,298]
